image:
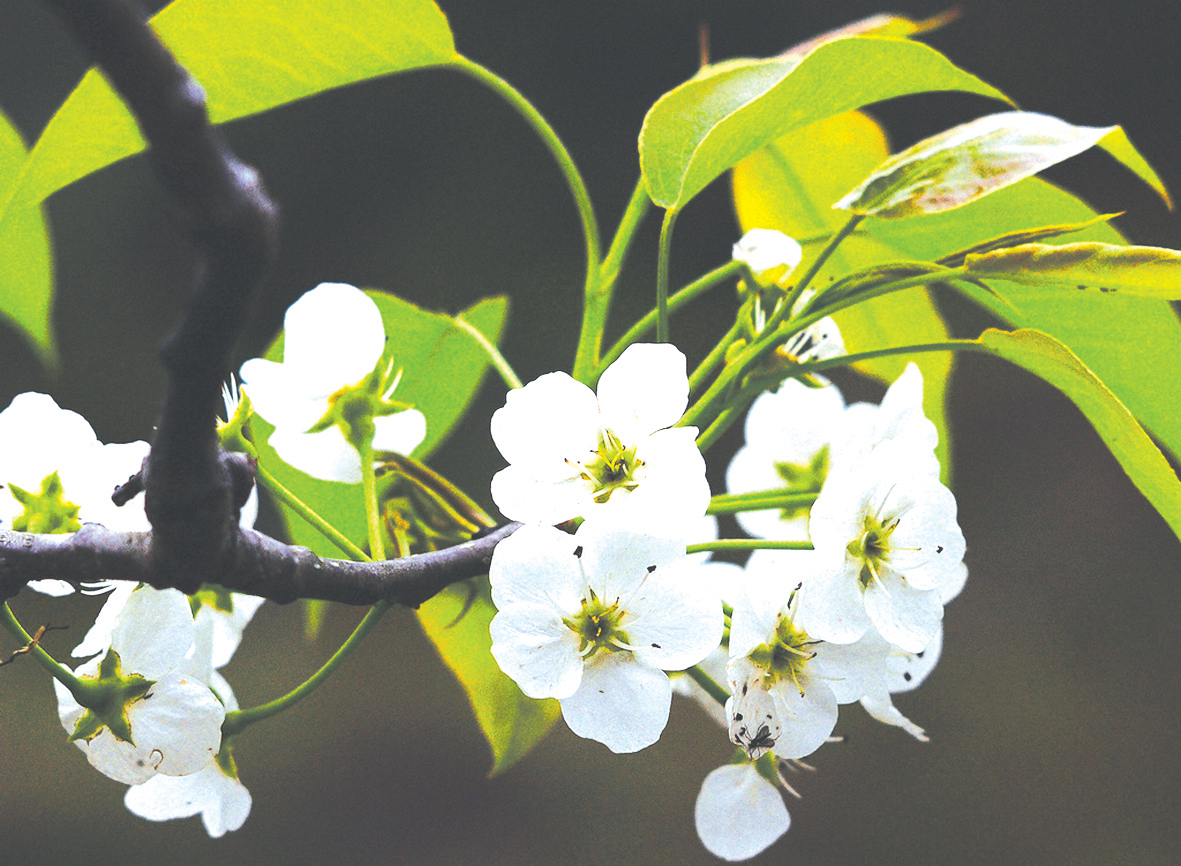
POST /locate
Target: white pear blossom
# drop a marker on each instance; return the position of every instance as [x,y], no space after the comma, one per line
[56,475]
[739,813]
[770,254]
[595,619]
[885,532]
[573,454]
[215,793]
[160,716]
[334,341]
[795,435]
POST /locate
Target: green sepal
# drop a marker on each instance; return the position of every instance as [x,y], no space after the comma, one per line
[109,694]
[46,512]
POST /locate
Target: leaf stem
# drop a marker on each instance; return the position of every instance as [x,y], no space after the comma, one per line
[369,491]
[54,668]
[678,300]
[237,720]
[758,500]
[748,544]
[275,487]
[785,310]
[918,348]
[499,363]
[597,304]
[666,239]
[707,682]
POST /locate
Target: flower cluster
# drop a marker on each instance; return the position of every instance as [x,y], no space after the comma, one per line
[601,617]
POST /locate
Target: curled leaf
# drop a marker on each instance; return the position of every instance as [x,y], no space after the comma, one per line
[1153,272]
[1026,236]
[969,161]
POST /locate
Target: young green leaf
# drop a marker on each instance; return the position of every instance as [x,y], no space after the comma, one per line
[976,158]
[25,282]
[1151,272]
[248,55]
[700,129]
[1047,358]
[1025,236]
[457,623]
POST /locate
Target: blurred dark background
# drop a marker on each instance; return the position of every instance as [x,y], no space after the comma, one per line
[1054,712]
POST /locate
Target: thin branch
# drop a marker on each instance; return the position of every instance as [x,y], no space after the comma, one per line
[261,566]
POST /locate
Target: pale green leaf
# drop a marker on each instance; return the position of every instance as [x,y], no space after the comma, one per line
[1120,146]
[708,124]
[1025,236]
[25,279]
[512,723]
[248,55]
[1047,358]
[1151,272]
[1132,344]
[974,159]
[882,24]
[790,185]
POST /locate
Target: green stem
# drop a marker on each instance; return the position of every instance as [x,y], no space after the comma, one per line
[707,682]
[758,500]
[748,544]
[666,240]
[785,310]
[596,306]
[240,719]
[498,360]
[590,228]
[678,300]
[301,508]
[845,360]
[55,669]
[719,426]
[717,354]
[369,491]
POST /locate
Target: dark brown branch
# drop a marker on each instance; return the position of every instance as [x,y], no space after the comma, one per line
[261,566]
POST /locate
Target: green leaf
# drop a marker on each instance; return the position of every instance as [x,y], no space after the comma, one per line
[703,127]
[790,185]
[248,55]
[25,278]
[1025,236]
[512,723]
[883,24]
[1044,356]
[1151,272]
[974,159]
[1132,344]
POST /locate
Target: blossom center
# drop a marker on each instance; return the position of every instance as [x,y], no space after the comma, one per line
[786,654]
[598,627]
[612,467]
[803,478]
[45,512]
[872,547]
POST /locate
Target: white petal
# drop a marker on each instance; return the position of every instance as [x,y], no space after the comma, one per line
[178,723]
[401,432]
[621,703]
[537,565]
[807,719]
[672,491]
[537,650]
[645,390]
[551,420]
[222,802]
[906,617]
[520,496]
[618,562]
[326,455]
[56,588]
[678,620]
[154,632]
[89,479]
[332,336]
[98,639]
[832,604]
[882,708]
[739,813]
